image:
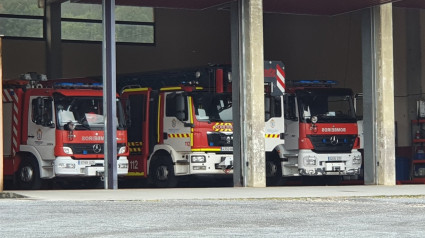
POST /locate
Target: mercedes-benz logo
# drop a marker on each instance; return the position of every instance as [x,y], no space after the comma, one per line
[333,140]
[97,148]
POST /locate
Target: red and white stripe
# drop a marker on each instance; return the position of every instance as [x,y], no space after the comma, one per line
[9,96]
[280,78]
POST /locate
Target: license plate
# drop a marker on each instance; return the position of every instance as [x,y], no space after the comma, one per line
[227,148]
[334,158]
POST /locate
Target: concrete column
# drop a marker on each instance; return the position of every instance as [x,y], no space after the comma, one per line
[378,86]
[252,91]
[53,40]
[1,116]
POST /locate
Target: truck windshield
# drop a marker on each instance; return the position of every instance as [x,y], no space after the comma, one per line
[85,112]
[329,105]
[212,107]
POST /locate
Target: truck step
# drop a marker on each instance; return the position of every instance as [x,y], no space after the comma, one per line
[291,165]
[182,162]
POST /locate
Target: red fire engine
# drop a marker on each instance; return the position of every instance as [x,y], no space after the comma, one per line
[55,132]
[178,130]
[320,132]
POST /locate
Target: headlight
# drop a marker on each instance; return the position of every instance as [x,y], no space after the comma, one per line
[309,160]
[122,150]
[198,158]
[67,150]
[357,159]
[66,165]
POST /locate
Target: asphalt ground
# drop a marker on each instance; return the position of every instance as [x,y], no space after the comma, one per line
[296,211]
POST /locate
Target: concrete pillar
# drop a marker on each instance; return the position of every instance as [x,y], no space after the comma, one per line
[378,86]
[1,117]
[53,40]
[251,69]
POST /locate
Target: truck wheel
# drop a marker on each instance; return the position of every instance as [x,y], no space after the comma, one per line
[273,172]
[162,173]
[28,175]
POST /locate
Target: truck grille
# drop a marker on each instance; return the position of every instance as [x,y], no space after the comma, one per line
[332,143]
[220,139]
[89,149]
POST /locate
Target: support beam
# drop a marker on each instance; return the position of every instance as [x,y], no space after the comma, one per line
[238,173]
[378,92]
[53,41]
[413,62]
[109,94]
[1,116]
[250,67]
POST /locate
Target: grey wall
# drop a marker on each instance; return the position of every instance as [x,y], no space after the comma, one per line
[311,47]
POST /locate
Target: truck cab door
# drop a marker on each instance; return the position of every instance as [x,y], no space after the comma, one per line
[292,124]
[176,122]
[274,122]
[137,109]
[41,126]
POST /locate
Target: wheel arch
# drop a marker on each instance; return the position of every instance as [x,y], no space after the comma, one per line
[32,153]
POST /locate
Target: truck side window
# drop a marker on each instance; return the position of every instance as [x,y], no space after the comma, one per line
[176,106]
[290,109]
[42,113]
[272,107]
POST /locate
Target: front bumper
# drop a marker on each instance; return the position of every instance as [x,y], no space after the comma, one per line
[213,164]
[313,164]
[65,166]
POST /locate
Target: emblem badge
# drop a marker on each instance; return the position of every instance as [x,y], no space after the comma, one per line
[97,148]
[333,140]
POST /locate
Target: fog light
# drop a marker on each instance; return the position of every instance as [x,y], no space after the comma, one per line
[309,160]
[357,159]
[67,150]
[122,150]
[66,166]
[198,158]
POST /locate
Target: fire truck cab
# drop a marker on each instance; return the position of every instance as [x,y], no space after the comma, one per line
[178,131]
[318,132]
[56,132]
[321,137]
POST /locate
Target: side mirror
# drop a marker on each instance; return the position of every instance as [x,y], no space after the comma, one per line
[267,107]
[181,108]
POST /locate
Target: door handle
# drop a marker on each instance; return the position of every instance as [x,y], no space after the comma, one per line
[30,136]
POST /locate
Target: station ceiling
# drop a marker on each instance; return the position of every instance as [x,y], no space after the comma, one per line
[308,7]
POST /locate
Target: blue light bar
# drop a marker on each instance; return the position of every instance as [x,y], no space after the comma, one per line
[78,85]
[315,82]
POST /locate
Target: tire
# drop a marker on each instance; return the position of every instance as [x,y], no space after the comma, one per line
[273,172]
[28,175]
[162,173]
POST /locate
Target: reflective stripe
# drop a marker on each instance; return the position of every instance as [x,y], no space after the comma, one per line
[206,149]
[272,135]
[136,89]
[223,126]
[178,135]
[136,174]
